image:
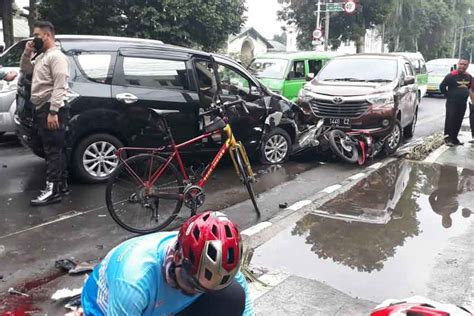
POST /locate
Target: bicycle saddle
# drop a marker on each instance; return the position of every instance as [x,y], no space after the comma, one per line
[216,124]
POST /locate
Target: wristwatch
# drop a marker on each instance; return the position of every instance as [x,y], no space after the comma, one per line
[53,113]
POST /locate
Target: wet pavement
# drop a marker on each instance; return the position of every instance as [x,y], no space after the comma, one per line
[382,238]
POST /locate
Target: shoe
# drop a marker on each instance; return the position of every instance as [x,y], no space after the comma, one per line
[457,142]
[49,195]
[449,143]
[64,188]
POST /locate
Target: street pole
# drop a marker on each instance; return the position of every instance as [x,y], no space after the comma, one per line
[326,31]
[318,15]
[383,37]
[461,33]
[454,43]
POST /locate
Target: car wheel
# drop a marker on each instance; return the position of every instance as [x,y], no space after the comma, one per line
[409,130]
[94,159]
[275,147]
[394,140]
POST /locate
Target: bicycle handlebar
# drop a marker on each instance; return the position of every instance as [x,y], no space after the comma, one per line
[227,104]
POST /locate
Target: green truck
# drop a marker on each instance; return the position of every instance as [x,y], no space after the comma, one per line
[286,73]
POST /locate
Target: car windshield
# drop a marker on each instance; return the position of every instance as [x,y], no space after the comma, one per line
[438,69]
[357,69]
[269,68]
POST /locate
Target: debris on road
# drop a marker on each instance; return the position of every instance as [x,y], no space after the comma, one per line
[66,293]
[283,205]
[65,264]
[12,291]
[82,268]
[421,148]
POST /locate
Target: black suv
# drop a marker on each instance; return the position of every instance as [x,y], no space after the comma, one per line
[114,82]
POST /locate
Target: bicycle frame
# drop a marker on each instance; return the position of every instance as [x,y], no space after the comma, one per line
[230,143]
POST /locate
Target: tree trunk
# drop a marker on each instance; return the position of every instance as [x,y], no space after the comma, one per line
[32,15]
[7,21]
[360,44]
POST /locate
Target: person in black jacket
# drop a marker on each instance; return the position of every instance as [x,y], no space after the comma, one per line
[456,86]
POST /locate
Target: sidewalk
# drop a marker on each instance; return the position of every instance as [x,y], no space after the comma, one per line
[307,275]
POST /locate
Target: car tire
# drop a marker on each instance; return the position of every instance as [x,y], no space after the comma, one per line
[94,158]
[275,147]
[395,138]
[409,130]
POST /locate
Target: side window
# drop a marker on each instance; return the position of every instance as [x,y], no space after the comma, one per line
[12,57]
[232,82]
[297,70]
[423,69]
[315,66]
[155,73]
[408,70]
[96,67]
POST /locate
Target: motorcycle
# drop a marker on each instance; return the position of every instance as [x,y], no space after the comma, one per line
[355,146]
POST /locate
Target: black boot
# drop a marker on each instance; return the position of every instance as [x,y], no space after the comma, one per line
[64,188]
[49,195]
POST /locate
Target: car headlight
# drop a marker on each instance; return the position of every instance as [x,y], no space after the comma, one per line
[304,96]
[381,99]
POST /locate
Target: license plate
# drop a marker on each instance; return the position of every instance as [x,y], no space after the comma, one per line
[338,122]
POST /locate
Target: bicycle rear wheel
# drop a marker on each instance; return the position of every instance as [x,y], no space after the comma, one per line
[246,179]
[136,208]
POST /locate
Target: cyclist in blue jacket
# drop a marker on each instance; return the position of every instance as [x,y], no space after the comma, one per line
[193,272]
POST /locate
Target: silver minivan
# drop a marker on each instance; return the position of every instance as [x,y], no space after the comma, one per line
[9,60]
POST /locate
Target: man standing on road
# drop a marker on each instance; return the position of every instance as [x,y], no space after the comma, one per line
[50,70]
[456,87]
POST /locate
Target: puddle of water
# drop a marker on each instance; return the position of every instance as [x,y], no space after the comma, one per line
[381,238]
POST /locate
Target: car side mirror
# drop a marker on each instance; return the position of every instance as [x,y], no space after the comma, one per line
[255,91]
[310,76]
[409,80]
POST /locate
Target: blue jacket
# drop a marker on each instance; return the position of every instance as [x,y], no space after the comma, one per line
[130,281]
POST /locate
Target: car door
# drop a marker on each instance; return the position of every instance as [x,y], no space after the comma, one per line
[295,79]
[149,85]
[411,95]
[247,127]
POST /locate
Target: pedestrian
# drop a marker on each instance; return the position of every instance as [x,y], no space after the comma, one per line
[456,87]
[191,272]
[471,113]
[49,68]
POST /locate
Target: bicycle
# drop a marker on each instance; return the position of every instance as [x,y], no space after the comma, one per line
[156,186]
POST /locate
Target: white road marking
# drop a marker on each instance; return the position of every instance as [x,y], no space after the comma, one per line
[332,188]
[376,165]
[255,229]
[357,176]
[296,206]
[436,154]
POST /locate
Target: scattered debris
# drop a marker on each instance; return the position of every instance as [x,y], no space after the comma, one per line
[283,205]
[12,291]
[82,268]
[1,276]
[65,264]
[74,303]
[4,166]
[66,294]
[100,247]
[102,215]
[422,147]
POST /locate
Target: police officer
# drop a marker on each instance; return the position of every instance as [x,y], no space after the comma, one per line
[50,70]
[456,87]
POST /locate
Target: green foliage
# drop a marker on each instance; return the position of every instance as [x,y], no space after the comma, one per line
[203,24]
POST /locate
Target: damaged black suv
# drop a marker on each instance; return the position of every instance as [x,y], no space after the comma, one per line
[114,82]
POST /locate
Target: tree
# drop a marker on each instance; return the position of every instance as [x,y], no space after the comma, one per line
[369,13]
[32,9]
[280,38]
[204,24]
[6,8]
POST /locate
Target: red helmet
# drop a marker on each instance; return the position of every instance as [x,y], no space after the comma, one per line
[212,249]
[418,306]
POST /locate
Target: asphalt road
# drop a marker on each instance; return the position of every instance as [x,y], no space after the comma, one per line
[31,239]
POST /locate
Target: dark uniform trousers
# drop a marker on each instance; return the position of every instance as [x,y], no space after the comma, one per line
[53,143]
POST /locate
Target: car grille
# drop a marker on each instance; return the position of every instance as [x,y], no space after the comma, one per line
[347,109]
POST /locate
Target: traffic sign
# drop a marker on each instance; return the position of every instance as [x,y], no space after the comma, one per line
[317,34]
[350,6]
[334,7]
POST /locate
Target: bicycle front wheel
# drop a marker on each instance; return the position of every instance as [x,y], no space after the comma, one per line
[246,179]
[141,208]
